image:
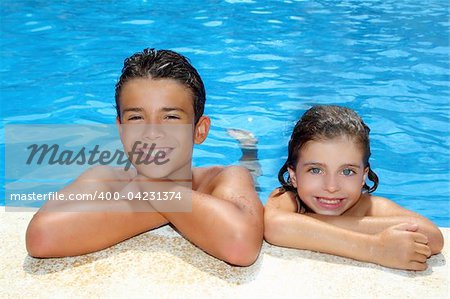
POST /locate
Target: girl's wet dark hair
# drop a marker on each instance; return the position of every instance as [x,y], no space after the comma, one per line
[163,64]
[325,122]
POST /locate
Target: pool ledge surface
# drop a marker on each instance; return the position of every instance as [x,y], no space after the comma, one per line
[162,264]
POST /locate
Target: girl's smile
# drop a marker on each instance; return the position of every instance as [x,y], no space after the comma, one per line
[330,203]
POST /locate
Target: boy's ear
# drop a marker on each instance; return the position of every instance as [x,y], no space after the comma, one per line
[366,173]
[118,124]
[292,177]
[201,129]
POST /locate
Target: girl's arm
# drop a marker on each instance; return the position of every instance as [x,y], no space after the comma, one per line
[398,247]
[381,213]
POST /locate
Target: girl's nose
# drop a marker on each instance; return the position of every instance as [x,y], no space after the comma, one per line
[331,183]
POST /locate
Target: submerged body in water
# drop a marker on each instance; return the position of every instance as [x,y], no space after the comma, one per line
[249,159]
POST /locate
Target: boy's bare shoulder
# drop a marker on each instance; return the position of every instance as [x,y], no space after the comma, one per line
[206,179]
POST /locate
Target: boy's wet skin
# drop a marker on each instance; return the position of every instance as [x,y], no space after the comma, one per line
[157,88]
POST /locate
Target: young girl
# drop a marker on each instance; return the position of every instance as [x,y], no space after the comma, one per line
[325,204]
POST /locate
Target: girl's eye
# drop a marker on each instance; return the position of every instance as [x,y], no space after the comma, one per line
[315,170]
[348,172]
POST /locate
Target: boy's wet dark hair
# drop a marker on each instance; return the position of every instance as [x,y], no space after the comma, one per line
[325,122]
[163,64]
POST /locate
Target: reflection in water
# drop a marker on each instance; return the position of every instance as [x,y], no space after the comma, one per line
[248,145]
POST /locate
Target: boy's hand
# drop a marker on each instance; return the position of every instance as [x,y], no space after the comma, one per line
[159,195]
[140,184]
[401,246]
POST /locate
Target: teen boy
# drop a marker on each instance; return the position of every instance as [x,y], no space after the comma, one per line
[158,87]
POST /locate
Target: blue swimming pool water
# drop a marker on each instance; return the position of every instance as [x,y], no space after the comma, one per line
[263,63]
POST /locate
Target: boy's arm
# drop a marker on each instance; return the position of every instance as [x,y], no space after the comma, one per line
[381,214]
[397,247]
[227,221]
[70,228]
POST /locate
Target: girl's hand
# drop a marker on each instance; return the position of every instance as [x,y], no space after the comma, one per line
[401,246]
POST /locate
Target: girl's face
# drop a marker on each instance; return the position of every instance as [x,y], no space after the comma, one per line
[329,175]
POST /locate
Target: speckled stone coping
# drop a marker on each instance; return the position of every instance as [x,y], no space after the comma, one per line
[161,264]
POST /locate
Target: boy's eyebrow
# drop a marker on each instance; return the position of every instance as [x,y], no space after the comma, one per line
[165,109]
[133,109]
[170,109]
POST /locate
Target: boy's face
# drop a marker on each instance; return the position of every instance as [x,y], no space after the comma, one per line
[156,127]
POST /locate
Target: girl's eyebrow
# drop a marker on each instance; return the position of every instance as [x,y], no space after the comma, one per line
[312,163]
[351,165]
[308,163]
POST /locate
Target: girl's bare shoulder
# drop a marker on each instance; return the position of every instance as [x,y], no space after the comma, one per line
[381,206]
[281,200]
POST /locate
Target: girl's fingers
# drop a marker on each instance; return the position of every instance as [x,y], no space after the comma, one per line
[417,266]
[417,257]
[423,249]
[420,238]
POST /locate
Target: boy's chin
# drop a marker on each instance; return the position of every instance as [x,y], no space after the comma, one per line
[165,173]
[155,173]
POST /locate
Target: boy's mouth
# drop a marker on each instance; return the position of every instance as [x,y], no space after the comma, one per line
[149,150]
[149,153]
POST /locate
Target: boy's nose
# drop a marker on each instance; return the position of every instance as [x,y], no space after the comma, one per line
[153,131]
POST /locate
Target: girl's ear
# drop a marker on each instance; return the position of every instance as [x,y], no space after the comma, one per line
[366,173]
[292,177]
[201,129]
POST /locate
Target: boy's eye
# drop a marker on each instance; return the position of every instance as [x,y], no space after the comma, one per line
[135,117]
[348,172]
[315,170]
[172,116]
